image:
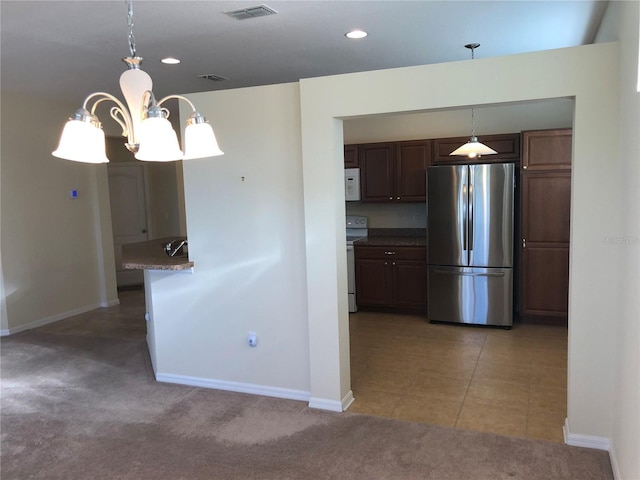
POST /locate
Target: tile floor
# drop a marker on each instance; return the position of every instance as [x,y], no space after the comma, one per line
[511,382]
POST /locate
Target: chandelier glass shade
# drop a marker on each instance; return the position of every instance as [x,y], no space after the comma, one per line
[473,148]
[150,136]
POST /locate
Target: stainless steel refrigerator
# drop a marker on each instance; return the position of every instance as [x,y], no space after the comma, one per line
[470,238]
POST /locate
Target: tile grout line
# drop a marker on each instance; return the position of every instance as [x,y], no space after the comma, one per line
[464,399]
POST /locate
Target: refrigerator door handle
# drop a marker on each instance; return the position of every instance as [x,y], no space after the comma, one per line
[465,211]
[468,274]
[471,202]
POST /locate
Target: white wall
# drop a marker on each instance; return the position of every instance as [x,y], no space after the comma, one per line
[621,22]
[245,227]
[504,118]
[587,73]
[56,253]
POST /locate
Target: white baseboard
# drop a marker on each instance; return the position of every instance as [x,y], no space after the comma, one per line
[251,388]
[110,303]
[586,441]
[325,404]
[347,400]
[614,463]
[50,319]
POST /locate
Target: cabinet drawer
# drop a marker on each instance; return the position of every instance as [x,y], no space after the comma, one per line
[391,252]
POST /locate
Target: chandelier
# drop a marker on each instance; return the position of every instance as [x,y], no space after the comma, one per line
[150,136]
[473,148]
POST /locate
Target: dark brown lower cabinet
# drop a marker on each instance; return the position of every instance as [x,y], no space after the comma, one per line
[545,281]
[391,278]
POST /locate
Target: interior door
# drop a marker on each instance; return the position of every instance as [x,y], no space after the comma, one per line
[128,215]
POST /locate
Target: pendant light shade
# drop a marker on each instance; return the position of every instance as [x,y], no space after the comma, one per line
[82,141]
[158,141]
[473,148]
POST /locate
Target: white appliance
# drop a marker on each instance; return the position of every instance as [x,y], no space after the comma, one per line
[352,184]
[356,229]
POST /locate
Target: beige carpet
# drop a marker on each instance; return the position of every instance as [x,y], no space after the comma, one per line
[83,405]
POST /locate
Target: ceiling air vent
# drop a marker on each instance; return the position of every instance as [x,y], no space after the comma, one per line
[251,12]
[213,77]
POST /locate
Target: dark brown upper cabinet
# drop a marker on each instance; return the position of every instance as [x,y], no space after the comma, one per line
[394,171]
[546,149]
[351,156]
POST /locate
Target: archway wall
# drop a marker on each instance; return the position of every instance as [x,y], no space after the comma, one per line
[589,74]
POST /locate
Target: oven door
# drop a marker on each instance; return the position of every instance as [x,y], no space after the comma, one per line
[351,278]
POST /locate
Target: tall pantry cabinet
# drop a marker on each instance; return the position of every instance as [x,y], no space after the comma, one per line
[544,224]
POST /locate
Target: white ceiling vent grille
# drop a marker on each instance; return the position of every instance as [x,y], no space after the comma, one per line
[213,77]
[251,12]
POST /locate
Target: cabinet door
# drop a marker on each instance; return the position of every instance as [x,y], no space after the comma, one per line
[546,207]
[546,149]
[373,283]
[409,280]
[376,171]
[412,160]
[350,156]
[544,280]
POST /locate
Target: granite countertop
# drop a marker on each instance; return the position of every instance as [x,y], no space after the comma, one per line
[399,237]
[150,255]
[392,241]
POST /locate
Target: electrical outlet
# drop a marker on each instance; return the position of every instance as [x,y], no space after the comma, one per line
[252,338]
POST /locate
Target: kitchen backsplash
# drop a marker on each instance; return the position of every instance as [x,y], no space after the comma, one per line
[391,215]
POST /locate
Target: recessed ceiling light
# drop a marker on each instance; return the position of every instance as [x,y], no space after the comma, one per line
[170,61]
[354,34]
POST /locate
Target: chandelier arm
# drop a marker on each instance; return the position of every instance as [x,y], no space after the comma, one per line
[127,130]
[179,97]
[118,115]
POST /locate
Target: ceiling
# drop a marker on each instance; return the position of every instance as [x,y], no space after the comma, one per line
[69,49]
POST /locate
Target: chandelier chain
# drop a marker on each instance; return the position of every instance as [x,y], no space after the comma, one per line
[132,38]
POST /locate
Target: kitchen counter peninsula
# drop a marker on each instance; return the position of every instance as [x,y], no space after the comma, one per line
[150,255]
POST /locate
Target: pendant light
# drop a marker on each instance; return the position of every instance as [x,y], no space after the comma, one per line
[144,123]
[473,148]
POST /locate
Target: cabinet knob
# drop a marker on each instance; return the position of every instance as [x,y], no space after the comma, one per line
[393,263]
[397,198]
[524,243]
[390,198]
[524,167]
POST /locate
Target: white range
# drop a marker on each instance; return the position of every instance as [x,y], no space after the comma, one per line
[356,229]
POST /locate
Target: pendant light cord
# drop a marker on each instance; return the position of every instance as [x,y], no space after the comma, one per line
[473,122]
[472,47]
[132,38]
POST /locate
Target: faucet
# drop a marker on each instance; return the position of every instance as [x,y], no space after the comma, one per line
[172,250]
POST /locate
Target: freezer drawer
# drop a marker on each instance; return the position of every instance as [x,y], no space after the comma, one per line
[470,295]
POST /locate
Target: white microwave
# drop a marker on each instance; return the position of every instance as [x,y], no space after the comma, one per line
[352,184]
